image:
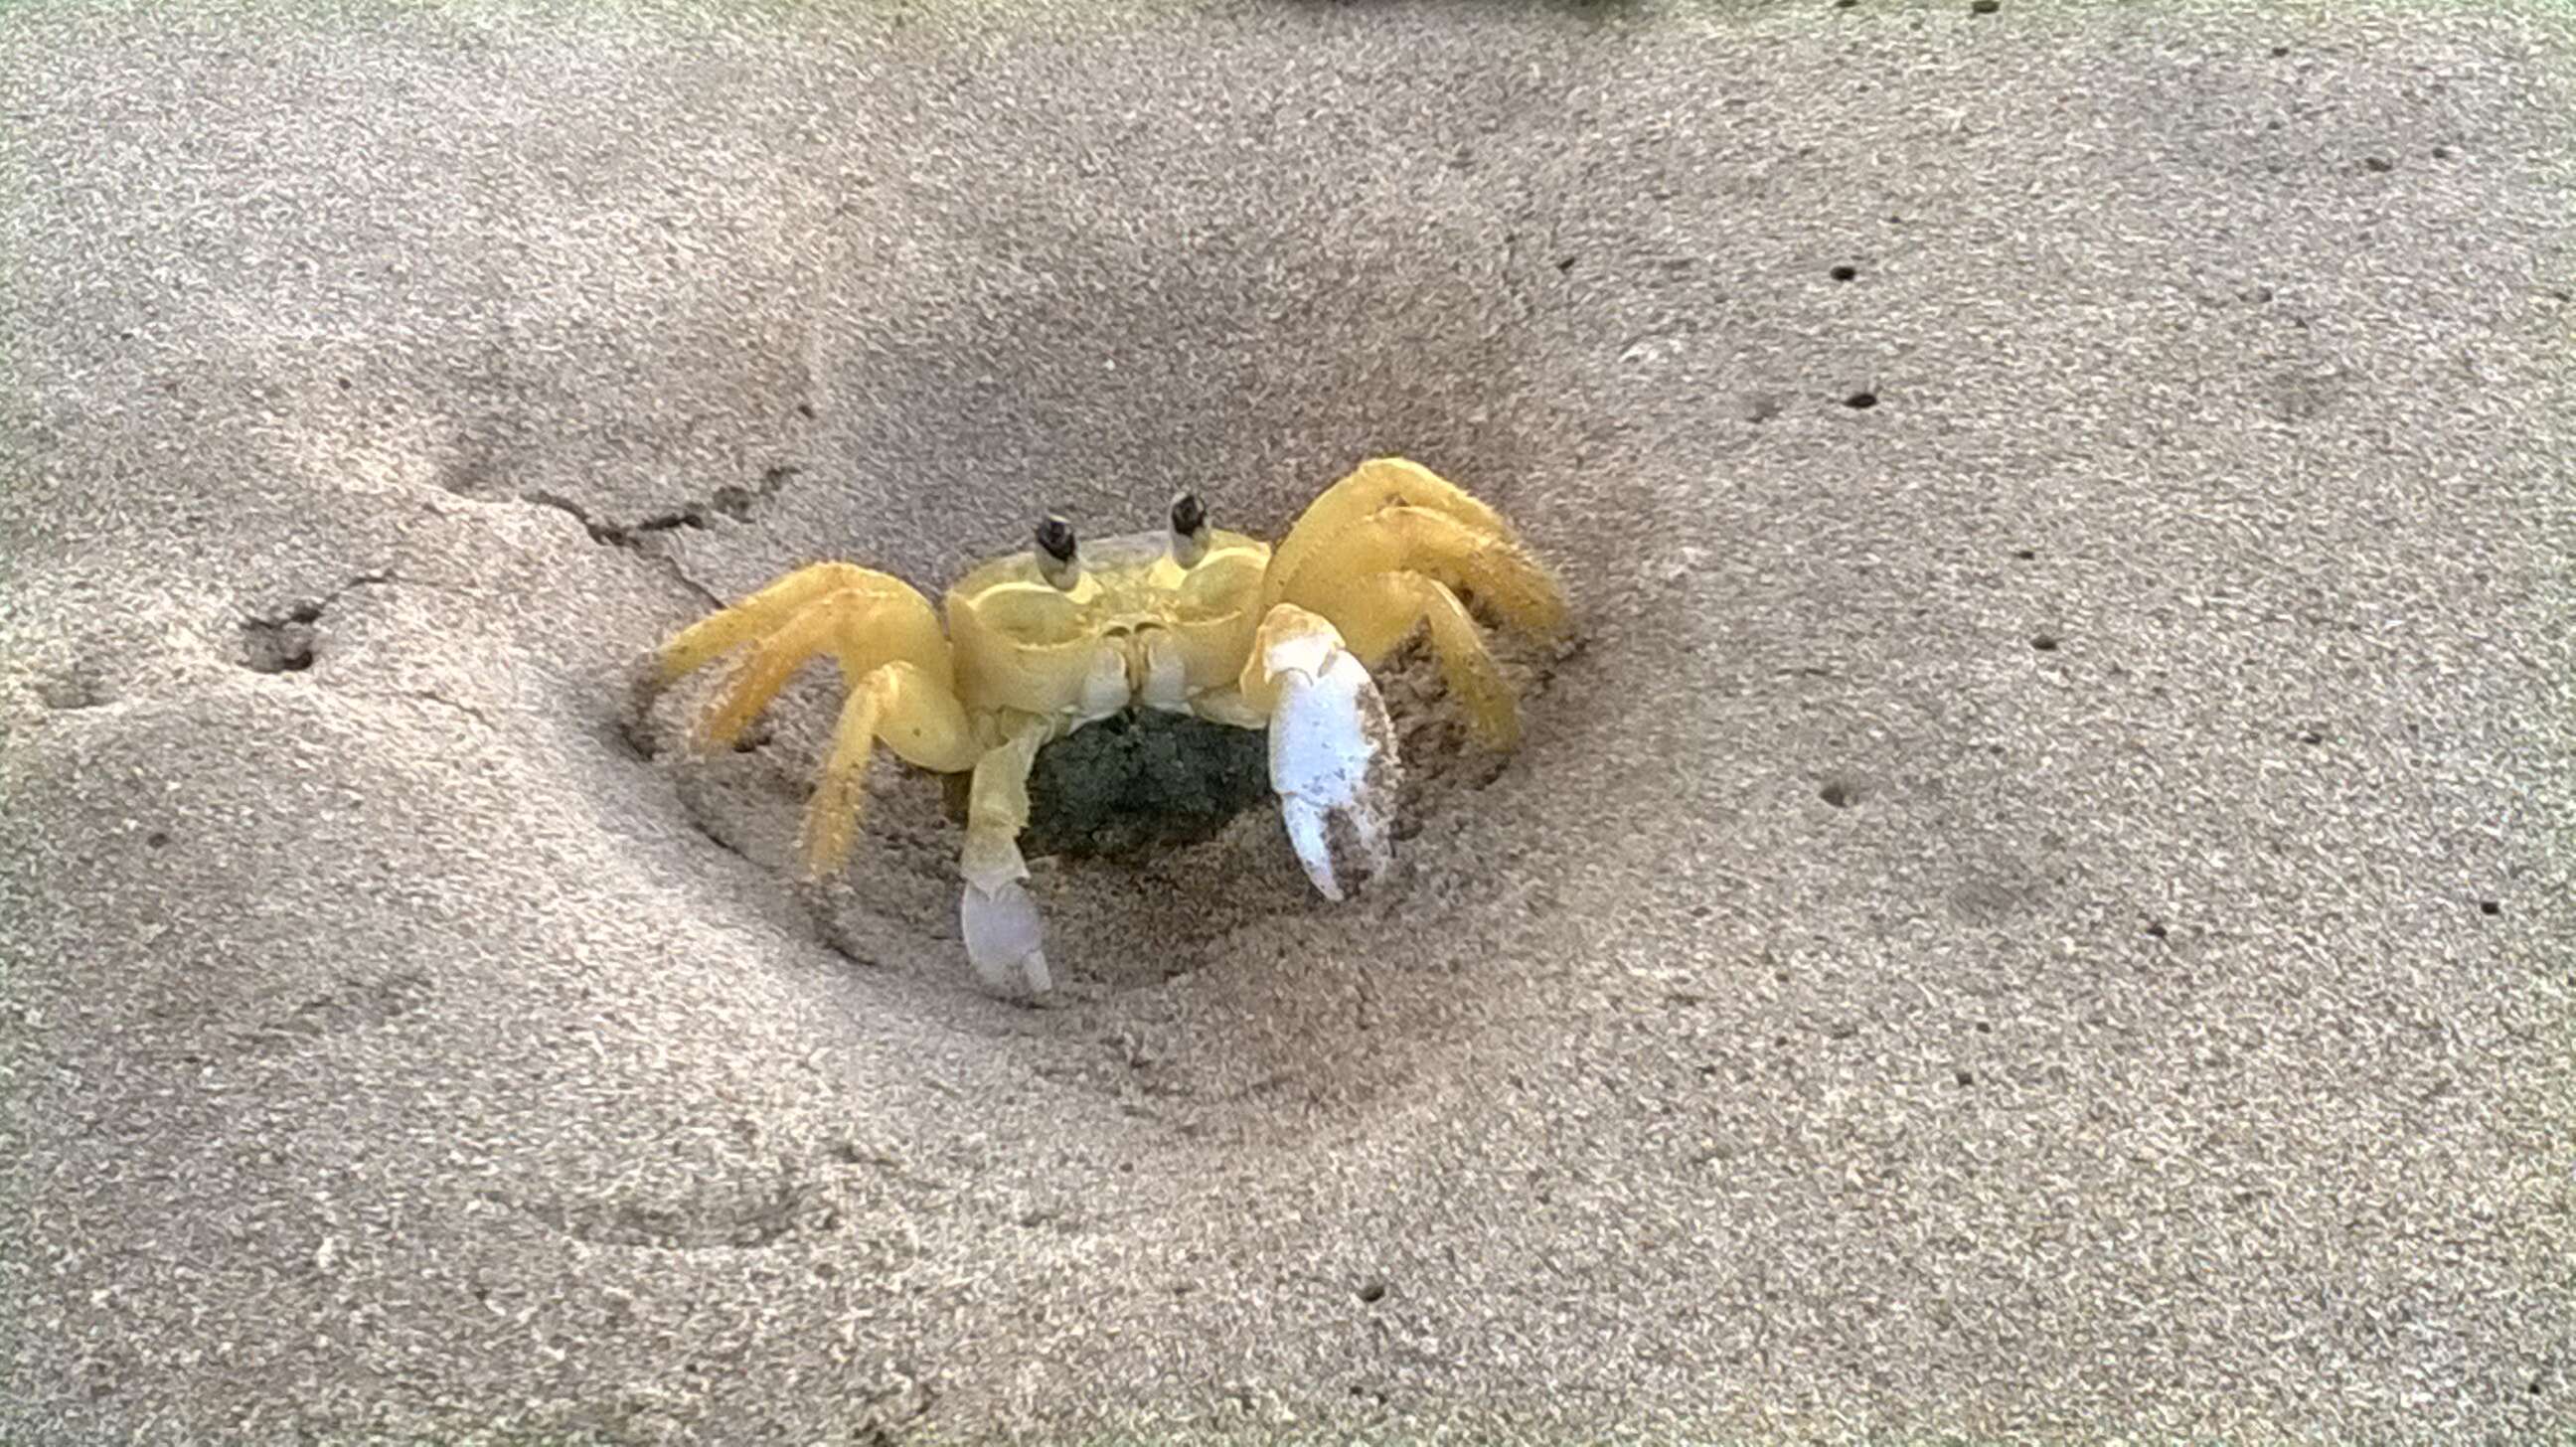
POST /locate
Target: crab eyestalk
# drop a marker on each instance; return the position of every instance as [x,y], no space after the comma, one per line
[1057,560]
[1189,530]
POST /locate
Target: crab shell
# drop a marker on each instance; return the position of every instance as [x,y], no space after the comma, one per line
[1136,628]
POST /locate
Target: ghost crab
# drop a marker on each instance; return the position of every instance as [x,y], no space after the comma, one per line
[1191,619]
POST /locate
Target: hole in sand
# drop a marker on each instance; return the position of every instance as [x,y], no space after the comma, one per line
[1843,273]
[158,839]
[79,687]
[2490,906]
[1155,847]
[1861,401]
[280,645]
[1374,1292]
[1839,792]
[1129,786]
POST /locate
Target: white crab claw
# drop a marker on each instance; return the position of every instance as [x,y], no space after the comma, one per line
[1005,940]
[1332,761]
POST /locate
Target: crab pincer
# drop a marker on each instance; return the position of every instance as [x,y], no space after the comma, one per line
[1005,938]
[1332,750]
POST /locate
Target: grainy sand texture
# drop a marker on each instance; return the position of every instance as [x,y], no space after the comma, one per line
[2038,908]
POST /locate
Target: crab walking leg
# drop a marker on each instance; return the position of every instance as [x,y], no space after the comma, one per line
[1465,662]
[1005,940]
[861,628]
[1405,539]
[763,674]
[770,610]
[1332,749]
[916,716]
[1371,488]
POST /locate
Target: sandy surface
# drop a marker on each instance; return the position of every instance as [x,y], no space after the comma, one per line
[2040,909]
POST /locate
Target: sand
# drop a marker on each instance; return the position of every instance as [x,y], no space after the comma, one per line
[2038,909]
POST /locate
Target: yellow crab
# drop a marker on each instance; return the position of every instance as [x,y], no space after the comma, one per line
[1191,620]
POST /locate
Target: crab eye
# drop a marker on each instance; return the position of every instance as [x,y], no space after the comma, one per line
[1056,551]
[1189,530]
